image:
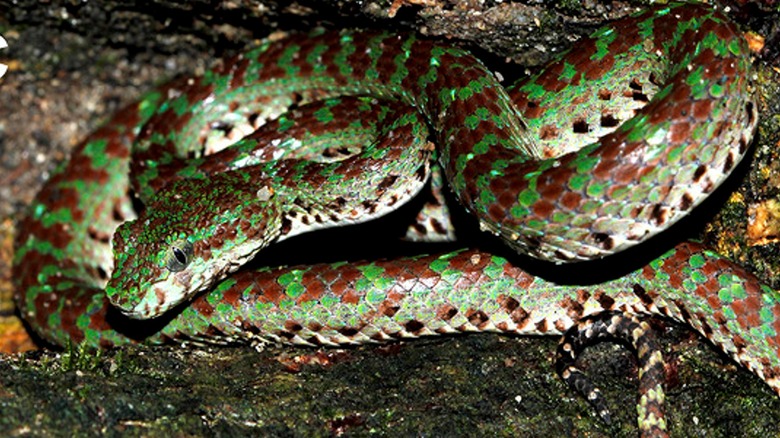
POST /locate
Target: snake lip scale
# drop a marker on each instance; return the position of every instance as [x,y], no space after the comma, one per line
[660,110]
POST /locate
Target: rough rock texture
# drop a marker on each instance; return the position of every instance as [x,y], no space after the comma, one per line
[73,63]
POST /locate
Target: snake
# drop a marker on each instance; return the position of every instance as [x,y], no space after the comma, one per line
[608,145]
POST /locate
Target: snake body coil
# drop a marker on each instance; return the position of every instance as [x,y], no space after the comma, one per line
[659,158]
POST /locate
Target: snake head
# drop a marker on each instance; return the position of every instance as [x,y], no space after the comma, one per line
[193,234]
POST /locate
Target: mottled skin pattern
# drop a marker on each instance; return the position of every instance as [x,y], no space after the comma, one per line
[587,203]
[645,175]
[220,222]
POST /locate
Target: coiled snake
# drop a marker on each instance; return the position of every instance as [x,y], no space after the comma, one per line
[656,158]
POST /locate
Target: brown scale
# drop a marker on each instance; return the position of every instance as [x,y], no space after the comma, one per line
[272,70]
[238,70]
[416,68]
[359,60]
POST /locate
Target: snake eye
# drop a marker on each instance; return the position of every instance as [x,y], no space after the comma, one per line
[179,255]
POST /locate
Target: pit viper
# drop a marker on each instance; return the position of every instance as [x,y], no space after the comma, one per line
[661,100]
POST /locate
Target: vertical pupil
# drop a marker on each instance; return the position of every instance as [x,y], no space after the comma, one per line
[180,256]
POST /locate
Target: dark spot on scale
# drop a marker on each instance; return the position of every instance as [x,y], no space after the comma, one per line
[580,126]
[708,187]
[369,206]
[541,326]
[292,326]
[573,308]
[635,85]
[249,328]
[548,132]
[387,182]
[659,214]
[194,153]
[340,201]
[446,312]
[396,334]
[102,274]
[742,144]
[97,236]
[729,163]
[313,340]
[606,301]
[348,331]
[604,239]
[286,335]
[719,130]
[344,151]
[532,104]
[605,95]
[390,311]
[769,372]
[315,327]
[222,126]
[609,121]
[478,318]
[305,220]
[706,328]
[252,119]
[653,79]
[438,227]
[303,206]
[520,317]
[420,229]
[318,218]
[297,98]
[686,202]
[116,213]
[533,243]
[642,294]
[421,173]
[639,97]
[750,112]
[328,153]
[700,172]
[286,226]
[508,303]
[333,217]
[740,343]
[414,326]
[522,123]
[683,310]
